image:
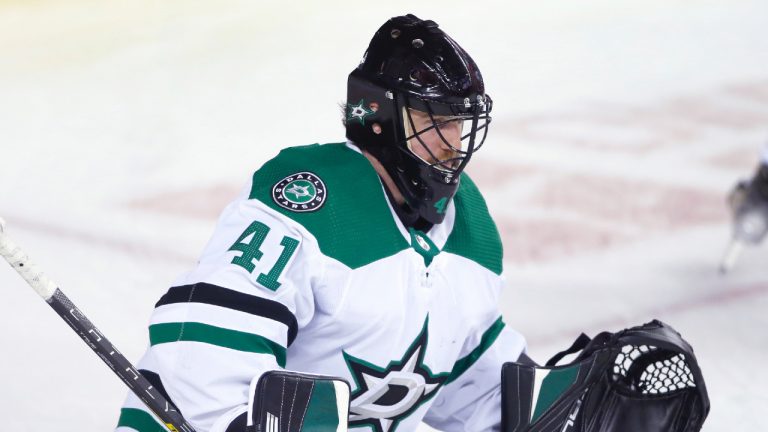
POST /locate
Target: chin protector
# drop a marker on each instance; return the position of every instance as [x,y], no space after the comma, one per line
[642,379]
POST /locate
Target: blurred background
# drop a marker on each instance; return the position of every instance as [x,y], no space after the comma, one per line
[618,129]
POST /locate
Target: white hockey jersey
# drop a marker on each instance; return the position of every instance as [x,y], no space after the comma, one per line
[311,270]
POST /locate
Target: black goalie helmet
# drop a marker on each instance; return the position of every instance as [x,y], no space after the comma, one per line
[417,103]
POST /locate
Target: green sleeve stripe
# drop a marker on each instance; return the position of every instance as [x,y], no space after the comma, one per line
[464,363]
[139,420]
[322,412]
[204,333]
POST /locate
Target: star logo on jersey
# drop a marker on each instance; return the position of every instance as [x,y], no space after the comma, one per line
[300,192]
[384,396]
[358,112]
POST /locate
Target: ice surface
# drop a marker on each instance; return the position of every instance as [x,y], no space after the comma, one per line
[618,129]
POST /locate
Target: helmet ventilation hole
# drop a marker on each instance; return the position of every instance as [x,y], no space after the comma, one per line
[417,43]
[395,33]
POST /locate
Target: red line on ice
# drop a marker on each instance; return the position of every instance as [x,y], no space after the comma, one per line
[140,250]
[725,295]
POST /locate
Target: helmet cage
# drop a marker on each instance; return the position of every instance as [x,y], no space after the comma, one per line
[411,64]
[477,115]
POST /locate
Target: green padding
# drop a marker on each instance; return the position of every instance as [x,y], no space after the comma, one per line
[355,225]
[233,339]
[322,413]
[139,420]
[474,234]
[552,387]
[464,363]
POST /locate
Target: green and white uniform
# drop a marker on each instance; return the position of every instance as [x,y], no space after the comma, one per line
[311,270]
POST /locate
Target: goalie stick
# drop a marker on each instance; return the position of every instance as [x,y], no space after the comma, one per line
[63,306]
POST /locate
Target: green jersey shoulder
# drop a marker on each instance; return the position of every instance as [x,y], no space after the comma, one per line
[335,194]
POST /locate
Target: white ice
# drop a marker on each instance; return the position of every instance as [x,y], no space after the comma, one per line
[618,129]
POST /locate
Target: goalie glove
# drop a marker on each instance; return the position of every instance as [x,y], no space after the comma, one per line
[642,379]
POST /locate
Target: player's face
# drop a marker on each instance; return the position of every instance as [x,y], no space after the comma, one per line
[435,147]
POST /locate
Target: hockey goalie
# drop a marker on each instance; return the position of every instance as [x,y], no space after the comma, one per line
[356,285]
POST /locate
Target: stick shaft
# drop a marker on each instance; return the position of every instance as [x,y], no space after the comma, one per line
[91,335]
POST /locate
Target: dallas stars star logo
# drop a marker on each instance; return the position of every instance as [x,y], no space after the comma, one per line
[385,396]
[300,192]
[359,112]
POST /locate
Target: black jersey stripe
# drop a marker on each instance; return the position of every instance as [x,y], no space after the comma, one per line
[230,299]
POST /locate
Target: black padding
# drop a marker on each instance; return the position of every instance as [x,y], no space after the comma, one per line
[239,424]
[283,398]
[517,381]
[285,395]
[524,359]
[642,379]
[157,383]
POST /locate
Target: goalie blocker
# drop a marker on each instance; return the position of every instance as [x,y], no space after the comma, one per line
[284,401]
[642,379]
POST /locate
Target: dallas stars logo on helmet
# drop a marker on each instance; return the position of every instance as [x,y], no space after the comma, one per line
[300,192]
[359,111]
